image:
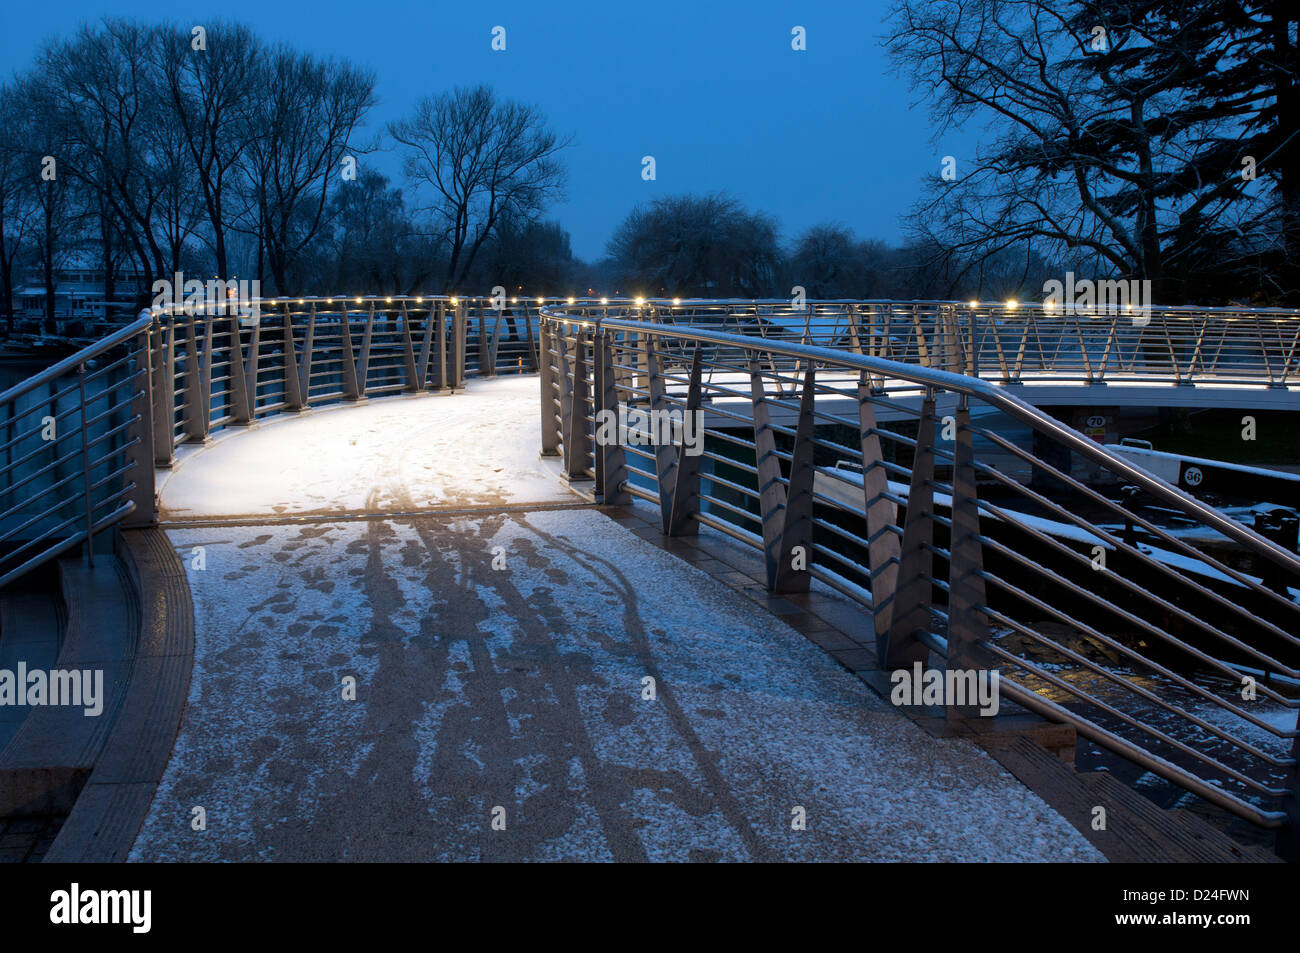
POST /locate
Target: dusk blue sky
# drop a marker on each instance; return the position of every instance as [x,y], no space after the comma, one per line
[712,91]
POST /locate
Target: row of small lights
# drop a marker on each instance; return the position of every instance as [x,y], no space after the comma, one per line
[639,301]
[1049,305]
[1011,303]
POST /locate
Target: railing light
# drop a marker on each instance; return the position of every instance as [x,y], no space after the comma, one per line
[570,301]
[358,301]
[640,301]
[604,301]
[677,301]
[1011,302]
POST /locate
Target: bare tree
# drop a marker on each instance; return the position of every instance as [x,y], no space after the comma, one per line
[18,205]
[1098,152]
[484,159]
[306,114]
[367,245]
[696,245]
[101,91]
[181,205]
[211,94]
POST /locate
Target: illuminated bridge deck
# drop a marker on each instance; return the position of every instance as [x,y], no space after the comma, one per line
[501,630]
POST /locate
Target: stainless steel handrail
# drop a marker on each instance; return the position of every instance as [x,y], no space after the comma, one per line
[70,363]
[989,393]
[594,362]
[180,374]
[77,455]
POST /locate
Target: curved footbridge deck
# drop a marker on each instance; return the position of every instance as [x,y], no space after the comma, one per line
[501,630]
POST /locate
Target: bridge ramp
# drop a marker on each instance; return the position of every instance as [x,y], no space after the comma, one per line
[500,662]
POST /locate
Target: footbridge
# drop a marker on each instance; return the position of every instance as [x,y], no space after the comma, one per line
[365,467]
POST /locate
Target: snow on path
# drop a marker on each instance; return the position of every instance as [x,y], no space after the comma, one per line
[522,688]
[518,687]
[390,455]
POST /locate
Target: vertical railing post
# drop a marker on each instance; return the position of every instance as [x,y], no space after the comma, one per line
[533,354]
[566,387]
[954,357]
[348,358]
[640,372]
[678,511]
[308,356]
[793,571]
[973,362]
[197,393]
[855,335]
[254,365]
[881,516]
[163,366]
[460,317]
[367,341]
[140,454]
[611,459]
[1013,375]
[599,417]
[665,458]
[495,341]
[414,380]
[943,341]
[771,494]
[205,375]
[240,408]
[577,442]
[968,627]
[443,386]
[426,350]
[484,350]
[922,345]
[85,464]
[915,592]
[550,421]
[292,381]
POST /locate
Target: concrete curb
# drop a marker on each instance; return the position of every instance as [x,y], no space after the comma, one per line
[111,808]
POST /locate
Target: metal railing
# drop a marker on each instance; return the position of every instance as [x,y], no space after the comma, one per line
[1136,627]
[77,451]
[1144,625]
[216,368]
[81,438]
[1015,342]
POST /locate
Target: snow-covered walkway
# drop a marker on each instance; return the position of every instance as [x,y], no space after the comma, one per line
[477,448]
[503,665]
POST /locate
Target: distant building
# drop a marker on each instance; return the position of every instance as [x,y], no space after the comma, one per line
[78,294]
